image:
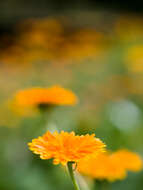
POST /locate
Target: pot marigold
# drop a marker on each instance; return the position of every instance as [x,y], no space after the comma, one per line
[110,166]
[102,167]
[55,95]
[66,147]
[129,160]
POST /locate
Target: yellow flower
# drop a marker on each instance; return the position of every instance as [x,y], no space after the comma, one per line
[102,167]
[65,147]
[110,166]
[129,160]
[134,59]
[55,95]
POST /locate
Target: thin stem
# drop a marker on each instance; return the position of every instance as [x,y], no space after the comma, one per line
[71,172]
[102,184]
[105,185]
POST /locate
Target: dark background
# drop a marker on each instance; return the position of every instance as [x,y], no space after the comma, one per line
[13,10]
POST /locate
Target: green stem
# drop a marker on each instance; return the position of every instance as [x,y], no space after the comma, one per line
[105,185]
[71,172]
[102,184]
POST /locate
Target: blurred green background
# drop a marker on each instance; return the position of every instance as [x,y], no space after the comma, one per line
[95,51]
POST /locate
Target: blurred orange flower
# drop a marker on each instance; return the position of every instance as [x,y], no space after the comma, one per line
[102,167]
[129,160]
[50,40]
[55,95]
[64,147]
[110,166]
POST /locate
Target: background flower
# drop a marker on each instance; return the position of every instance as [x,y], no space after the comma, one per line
[111,166]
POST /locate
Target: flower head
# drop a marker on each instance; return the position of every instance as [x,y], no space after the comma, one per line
[65,147]
[129,160]
[102,167]
[55,95]
[110,166]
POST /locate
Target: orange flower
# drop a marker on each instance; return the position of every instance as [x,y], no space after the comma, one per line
[110,166]
[55,95]
[129,160]
[64,147]
[102,167]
